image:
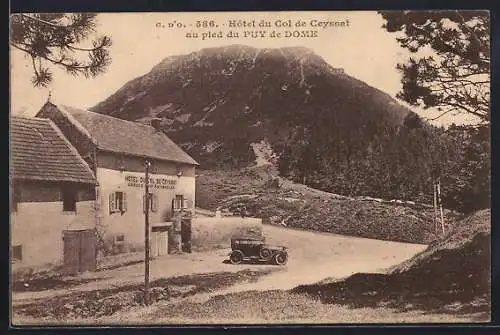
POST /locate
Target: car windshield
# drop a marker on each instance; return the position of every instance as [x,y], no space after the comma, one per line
[248,242]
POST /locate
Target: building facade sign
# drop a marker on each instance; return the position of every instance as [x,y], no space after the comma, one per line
[159,182]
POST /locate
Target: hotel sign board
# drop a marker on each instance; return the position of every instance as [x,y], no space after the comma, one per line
[158,182]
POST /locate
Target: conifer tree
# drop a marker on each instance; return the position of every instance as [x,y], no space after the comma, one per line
[455,76]
[59,39]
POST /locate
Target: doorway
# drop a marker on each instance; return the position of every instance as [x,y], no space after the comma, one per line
[186,235]
[80,251]
[159,241]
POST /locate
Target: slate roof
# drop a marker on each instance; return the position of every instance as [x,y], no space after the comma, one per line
[127,137]
[40,152]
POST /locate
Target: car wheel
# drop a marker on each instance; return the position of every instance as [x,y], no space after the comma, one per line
[236,257]
[265,254]
[281,258]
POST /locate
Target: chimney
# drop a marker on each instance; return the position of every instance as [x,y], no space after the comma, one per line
[156,123]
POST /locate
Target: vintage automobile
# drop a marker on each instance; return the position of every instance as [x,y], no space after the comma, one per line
[252,248]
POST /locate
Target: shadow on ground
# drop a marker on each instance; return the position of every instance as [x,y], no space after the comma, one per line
[48,283]
[250,261]
[455,281]
[53,279]
[98,303]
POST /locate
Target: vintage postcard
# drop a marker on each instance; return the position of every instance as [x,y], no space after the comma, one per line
[250,168]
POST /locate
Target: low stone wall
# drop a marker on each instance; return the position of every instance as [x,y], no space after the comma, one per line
[216,232]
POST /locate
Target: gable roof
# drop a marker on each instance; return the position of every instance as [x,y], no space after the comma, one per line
[127,137]
[39,151]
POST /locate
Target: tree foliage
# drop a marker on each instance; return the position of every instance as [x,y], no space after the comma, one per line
[450,68]
[58,40]
[399,162]
[467,173]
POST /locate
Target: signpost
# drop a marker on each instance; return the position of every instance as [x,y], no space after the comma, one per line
[440,204]
[146,236]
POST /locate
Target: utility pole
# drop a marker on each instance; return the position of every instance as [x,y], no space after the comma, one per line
[440,204]
[146,235]
[435,206]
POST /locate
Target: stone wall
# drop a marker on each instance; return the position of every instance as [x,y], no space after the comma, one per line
[216,232]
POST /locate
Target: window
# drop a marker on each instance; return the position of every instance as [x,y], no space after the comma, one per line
[17,252]
[179,199]
[153,202]
[180,202]
[119,238]
[118,202]
[69,196]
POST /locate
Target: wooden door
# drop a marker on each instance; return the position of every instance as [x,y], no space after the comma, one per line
[88,252]
[186,235]
[71,253]
[171,239]
[154,244]
[162,243]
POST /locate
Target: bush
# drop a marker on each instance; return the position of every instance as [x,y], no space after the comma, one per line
[273,183]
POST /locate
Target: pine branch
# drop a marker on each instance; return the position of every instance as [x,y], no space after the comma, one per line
[21,49]
[440,115]
[43,35]
[38,20]
[34,66]
[101,46]
[469,29]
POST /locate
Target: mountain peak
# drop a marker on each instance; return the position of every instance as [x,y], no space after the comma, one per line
[217,102]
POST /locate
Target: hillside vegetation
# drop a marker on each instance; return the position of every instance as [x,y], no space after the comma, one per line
[282,202]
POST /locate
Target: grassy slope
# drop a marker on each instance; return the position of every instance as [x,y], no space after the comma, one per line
[89,305]
[302,207]
[282,307]
[453,275]
[258,308]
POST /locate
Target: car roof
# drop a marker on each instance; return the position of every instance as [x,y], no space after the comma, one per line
[248,238]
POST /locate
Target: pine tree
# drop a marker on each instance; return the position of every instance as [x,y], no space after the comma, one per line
[58,39]
[456,78]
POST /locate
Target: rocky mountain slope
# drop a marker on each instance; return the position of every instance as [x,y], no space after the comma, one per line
[216,103]
[237,107]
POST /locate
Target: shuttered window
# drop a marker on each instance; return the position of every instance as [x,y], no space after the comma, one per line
[178,201]
[112,202]
[117,202]
[181,202]
[123,205]
[153,202]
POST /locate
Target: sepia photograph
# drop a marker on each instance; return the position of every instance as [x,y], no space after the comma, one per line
[204,168]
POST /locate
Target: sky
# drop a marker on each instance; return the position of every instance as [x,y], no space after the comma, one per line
[354,41]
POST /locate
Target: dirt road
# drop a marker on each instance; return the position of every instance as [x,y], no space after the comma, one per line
[313,257]
[318,256]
